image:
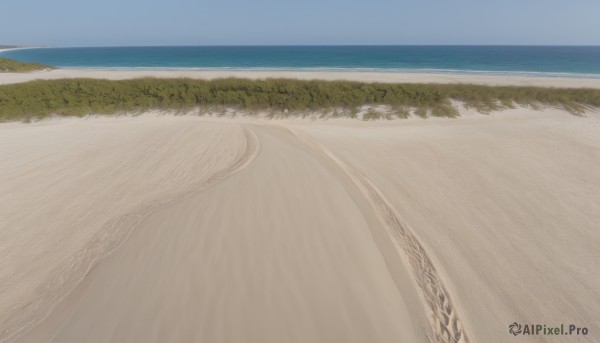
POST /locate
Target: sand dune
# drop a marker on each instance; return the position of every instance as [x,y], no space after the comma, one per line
[72,189]
[278,252]
[303,231]
[507,208]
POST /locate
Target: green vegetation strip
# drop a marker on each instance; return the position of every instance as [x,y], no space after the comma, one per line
[11,66]
[78,97]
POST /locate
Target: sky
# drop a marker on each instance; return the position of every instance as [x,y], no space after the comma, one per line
[300,22]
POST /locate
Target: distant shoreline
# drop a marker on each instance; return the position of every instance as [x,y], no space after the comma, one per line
[20,48]
[393,71]
[506,61]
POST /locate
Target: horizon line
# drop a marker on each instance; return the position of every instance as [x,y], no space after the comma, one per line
[298,45]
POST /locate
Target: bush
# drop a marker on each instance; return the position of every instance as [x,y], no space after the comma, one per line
[11,66]
[85,96]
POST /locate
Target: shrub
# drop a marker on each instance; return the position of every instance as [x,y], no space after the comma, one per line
[83,96]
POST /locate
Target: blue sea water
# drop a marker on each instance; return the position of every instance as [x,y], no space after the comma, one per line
[574,61]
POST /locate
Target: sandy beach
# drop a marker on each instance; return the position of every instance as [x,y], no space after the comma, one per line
[124,74]
[187,228]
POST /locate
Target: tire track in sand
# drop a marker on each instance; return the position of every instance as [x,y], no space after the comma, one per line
[444,319]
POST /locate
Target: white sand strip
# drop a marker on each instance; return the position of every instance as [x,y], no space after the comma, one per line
[7,78]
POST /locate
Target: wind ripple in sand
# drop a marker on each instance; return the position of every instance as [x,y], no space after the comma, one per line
[64,277]
[279,252]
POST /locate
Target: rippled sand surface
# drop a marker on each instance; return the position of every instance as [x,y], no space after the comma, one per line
[236,230]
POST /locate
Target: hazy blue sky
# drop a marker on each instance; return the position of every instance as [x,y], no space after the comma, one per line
[224,22]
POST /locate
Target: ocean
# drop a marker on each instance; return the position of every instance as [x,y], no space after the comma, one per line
[566,61]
